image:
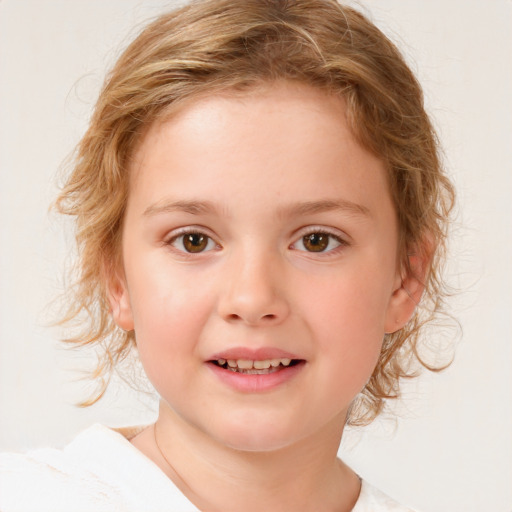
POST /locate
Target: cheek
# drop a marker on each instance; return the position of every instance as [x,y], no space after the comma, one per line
[169,316]
[352,308]
[347,319]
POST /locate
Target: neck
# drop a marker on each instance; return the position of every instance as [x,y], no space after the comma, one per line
[304,476]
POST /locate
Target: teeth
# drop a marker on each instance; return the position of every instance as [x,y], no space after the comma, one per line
[262,365]
[247,364]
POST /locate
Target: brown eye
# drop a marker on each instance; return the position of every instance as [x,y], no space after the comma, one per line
[192,242]
[195,242]
[316,242]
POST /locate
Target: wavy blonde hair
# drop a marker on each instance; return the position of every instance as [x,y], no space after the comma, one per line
[220,45]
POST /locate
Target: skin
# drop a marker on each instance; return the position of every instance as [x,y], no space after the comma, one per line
[258,172]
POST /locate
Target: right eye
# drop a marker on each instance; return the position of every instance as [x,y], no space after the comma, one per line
[192,242]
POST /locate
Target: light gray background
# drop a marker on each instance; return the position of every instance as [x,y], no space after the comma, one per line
[451,449]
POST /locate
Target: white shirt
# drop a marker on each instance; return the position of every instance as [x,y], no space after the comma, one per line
[101,471]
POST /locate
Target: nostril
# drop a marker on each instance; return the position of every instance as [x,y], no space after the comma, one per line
[247,318]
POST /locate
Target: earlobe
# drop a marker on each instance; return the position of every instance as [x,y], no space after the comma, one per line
[119,300]
[407,293]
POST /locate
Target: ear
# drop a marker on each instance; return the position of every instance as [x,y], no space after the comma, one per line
[119,299]
[408,289]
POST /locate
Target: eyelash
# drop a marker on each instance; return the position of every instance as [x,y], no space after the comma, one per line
[322,232]
[182,233]
[211,244]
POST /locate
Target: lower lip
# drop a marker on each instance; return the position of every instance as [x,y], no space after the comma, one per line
[256,383]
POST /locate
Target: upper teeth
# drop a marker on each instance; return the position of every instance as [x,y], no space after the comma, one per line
[247,364]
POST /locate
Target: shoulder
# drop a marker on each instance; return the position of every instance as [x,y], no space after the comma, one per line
[48,475]
[98,471]
[373,500]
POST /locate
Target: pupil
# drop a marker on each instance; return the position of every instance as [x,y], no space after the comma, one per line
[194,242]
[316,242]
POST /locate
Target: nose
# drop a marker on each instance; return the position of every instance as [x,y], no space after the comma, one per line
[253,292]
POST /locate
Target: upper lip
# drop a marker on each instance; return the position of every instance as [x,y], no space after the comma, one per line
[253,354]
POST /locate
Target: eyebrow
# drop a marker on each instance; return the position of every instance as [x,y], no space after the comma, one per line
[192,207]
[298,209]
[325,205]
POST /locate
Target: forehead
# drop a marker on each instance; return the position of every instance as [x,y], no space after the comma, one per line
[288,134]
[265,101]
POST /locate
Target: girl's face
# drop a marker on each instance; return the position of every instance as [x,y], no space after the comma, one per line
[260,265]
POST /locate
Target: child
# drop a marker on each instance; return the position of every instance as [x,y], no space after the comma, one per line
[260,208]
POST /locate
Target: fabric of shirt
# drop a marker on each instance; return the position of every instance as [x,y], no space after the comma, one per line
[101,471]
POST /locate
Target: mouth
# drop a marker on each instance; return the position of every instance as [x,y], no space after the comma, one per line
[255,370]
[256,367]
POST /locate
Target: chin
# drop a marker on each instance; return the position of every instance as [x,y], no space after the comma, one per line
[257,436]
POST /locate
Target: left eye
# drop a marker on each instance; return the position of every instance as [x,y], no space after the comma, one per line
[193,242]
[317,242]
